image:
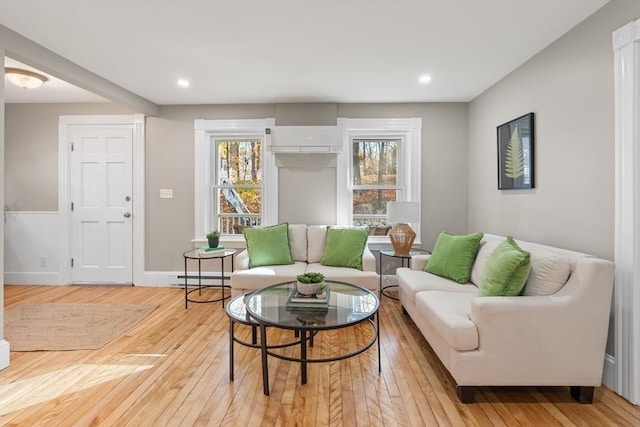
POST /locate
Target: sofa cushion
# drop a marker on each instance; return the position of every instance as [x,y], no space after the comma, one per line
[260,277]
[453,256]
[366,279]
[298,241]
[549,273]
[413,281]
[316,236]
[487,246]
[344,247]
[506,271]
[448,314]
[268,245]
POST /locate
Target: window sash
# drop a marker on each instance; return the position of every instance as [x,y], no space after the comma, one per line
[217,215]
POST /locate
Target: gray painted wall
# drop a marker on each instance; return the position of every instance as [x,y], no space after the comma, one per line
[169,163]
[444,161]
[169,151]
[570,88]
[31,163]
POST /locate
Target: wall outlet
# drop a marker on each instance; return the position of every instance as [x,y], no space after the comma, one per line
[43,261]
[166,193]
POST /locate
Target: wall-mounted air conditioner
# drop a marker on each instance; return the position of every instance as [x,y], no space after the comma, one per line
[305,139]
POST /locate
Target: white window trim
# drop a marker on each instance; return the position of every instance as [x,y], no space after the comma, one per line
[205,130]
[410,130]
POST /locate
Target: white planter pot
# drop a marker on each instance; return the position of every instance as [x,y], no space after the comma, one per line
[308,288]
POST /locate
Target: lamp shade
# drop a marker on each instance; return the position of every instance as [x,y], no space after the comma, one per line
[24,78]
[402,235]
[403,212]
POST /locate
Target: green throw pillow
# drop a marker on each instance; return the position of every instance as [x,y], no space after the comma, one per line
[453,256]
[506,271]
[344,247]
[268,245]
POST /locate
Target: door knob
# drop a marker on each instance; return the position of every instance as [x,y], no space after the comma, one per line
[127,215]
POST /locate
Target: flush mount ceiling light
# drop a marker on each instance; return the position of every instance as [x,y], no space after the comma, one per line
[183,83]
[24,78]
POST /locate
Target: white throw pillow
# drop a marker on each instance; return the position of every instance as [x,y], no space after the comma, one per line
[549,273]
[484,252]
[298,241]
[316,236]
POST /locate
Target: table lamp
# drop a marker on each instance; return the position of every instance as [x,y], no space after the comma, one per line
[401,234]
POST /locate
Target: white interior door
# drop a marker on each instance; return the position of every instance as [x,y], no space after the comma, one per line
[101,195]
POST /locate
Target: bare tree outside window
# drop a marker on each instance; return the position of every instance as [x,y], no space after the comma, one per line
[238,183]
[375,179]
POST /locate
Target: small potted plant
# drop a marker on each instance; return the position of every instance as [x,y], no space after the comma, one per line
[310,283]
[214,238]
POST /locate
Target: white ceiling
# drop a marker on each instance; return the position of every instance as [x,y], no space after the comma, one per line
[263,51]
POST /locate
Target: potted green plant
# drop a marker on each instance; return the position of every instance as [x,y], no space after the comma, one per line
[214,238]
[310,283]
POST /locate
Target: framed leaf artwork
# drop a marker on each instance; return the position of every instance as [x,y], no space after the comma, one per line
[515,154]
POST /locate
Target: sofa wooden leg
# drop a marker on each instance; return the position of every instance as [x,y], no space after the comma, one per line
[582,394]
[466,393]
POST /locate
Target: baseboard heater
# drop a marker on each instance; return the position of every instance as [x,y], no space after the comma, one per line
[192,280]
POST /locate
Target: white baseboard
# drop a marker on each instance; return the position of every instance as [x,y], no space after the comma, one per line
[609,372]
[155,278]
[4,354]
[33,278]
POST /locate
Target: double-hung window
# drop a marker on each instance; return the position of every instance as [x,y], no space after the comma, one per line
[380,163]
[375,178]
[237,184]
[235,177]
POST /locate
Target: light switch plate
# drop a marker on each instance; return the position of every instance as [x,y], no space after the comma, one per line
[166,193]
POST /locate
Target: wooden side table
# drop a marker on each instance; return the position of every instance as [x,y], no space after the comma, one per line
[404,258]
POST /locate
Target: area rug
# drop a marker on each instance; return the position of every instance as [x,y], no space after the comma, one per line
[54,326]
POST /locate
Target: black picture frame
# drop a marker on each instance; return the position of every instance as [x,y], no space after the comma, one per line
[515,153]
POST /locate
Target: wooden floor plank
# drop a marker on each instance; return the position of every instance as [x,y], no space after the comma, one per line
[172,369]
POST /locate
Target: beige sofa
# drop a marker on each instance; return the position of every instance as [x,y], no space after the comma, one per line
[553,334]
[307,246]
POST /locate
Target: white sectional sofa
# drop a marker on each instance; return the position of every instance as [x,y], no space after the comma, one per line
[307,244]
[553,334]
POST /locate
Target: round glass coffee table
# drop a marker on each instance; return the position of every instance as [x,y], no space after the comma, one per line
[348,305]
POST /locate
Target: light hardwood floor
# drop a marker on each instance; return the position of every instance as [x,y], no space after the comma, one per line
[173,369]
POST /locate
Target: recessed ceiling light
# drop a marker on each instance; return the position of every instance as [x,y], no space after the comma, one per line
[183,82]
[424,79]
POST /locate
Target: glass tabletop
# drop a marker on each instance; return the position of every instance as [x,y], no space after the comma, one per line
[391,253]
[237,309]
[348,304]
[201,254]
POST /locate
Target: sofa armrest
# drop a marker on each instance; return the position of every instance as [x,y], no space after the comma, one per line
[368,260]
[418,262]
[567,330]
[241,261]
